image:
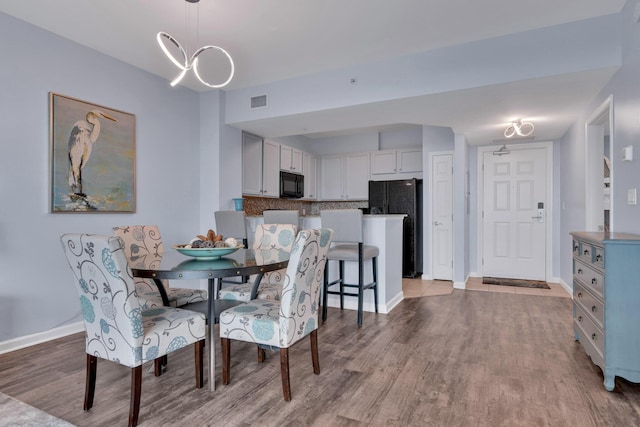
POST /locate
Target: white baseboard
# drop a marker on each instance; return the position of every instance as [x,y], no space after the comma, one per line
[40,337]
[459,285]
[567,287]
[352,303]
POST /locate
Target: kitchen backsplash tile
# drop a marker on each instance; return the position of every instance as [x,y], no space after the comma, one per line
[255,205]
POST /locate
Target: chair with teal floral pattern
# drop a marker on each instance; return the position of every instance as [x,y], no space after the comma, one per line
[117,328]
[273,242]
[144,249]
[280,324]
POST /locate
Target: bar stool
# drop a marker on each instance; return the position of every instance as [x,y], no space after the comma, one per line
[231,224]
[347,226]
[281,217]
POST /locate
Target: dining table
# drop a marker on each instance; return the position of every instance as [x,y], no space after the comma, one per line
[242,263]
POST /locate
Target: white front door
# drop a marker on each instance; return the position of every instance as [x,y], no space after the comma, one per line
[514,212]
[442,216]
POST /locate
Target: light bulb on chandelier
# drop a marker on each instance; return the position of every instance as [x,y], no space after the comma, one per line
[191,63]
[519,128]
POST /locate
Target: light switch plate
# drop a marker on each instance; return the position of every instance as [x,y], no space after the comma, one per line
[632,196]
[627,153]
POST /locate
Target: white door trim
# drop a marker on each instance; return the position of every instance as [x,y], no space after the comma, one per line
[594,148]
[428,224]
[548,146]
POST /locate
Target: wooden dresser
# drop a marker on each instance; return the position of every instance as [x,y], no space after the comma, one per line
[606,302]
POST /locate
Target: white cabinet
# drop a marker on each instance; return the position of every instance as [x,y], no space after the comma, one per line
[291,159]
[260,166]
[345,177]
[396,164]
[309,166]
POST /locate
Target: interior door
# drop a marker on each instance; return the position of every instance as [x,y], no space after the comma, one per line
[514,219]
[442,216]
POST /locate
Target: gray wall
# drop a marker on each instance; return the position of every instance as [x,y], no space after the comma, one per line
[35,289]
[626,127]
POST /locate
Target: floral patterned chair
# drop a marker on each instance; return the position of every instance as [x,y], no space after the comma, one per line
[280,324]
[117,328]
[144,248]
[267,238]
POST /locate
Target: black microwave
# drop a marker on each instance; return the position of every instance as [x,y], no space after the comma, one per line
[291,185]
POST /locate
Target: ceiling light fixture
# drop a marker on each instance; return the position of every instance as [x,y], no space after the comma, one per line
[191,63]
[519,128]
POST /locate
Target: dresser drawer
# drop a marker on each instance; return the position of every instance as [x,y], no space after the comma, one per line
[590,334]
[589,303]
[598,257]
[588,276]
[586,253]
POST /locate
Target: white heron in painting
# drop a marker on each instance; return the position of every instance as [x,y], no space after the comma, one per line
[81,139]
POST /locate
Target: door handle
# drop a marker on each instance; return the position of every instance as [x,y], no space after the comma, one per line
[536,217]
[437,223]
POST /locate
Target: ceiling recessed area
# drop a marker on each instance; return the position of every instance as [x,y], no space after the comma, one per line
[276,41]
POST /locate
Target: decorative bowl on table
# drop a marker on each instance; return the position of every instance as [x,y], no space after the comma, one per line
[206,254]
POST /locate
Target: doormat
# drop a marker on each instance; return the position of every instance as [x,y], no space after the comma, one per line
[515,282]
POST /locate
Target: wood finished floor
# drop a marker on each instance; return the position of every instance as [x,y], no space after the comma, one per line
[464,359]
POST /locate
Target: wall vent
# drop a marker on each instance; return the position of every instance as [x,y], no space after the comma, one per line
[259,101]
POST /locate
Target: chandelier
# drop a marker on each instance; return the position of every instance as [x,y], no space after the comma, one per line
[191,63]
[519,128]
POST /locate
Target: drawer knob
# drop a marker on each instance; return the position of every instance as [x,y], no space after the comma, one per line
[579,318]
[579,271]
[594,281]
[593,337]
[598,257]
[594,309]
[575,248]
[579,294]
[586,251]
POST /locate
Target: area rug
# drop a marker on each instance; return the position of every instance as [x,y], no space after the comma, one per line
[515,282]
[16,413]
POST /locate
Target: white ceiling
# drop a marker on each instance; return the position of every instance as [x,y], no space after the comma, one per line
[272,40]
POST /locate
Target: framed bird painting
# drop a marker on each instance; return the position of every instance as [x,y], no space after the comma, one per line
[93,157]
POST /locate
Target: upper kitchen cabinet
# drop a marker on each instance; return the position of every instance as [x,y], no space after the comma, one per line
[345,177]
[310,168]
[260,166]
[396,164]
[291,159]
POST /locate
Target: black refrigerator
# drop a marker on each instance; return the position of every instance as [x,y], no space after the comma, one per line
[402,197]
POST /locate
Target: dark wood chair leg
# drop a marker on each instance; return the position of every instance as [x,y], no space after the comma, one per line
[199,356]
[261,354]
[314,352]
[157,366]
[226,362]
[90,382]
[284,372]
[136,386]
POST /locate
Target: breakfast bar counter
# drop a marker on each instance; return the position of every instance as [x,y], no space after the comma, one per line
[383,231]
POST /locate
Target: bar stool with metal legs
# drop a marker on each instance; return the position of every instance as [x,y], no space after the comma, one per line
[347,226]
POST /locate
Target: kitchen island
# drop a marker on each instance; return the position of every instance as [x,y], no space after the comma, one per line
[383,231]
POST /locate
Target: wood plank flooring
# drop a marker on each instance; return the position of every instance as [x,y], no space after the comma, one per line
[465,359]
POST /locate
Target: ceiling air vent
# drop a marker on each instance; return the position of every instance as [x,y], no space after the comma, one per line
[258,101]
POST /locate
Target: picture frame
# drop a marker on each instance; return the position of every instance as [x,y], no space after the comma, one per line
[93,157]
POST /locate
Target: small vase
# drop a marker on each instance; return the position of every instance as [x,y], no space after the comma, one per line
[238,203]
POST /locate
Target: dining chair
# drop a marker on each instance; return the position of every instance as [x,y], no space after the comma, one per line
[143,248]
[347,226]
[281,217]
[272,242]
[117,328]
[280,324]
